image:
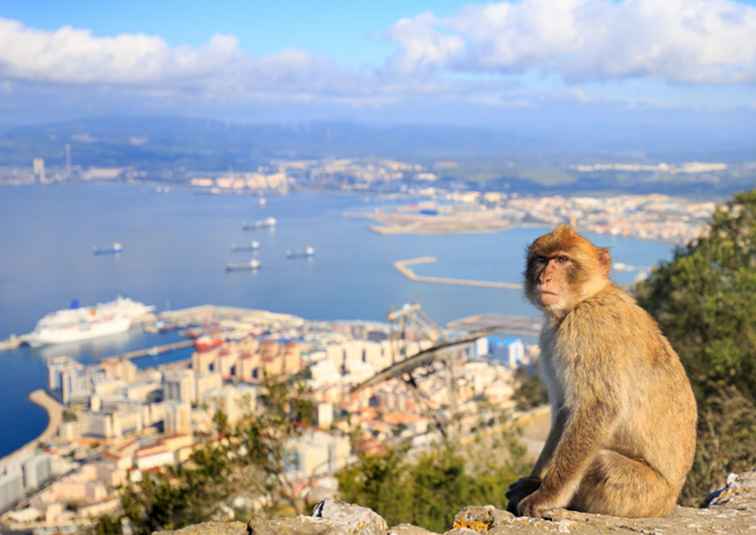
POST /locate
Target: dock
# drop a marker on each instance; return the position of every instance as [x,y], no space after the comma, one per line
[13,342]
[153,351]
[403,267]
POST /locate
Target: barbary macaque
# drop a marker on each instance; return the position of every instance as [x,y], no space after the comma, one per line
[623,415]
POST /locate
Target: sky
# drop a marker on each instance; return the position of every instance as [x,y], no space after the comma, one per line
[451,62]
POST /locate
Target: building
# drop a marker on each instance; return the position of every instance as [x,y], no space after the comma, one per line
[37,470]
[179,385]
[178,418]
[205,383]
[38,166]
[509,351]
[234,401]
[317,453]
[11,488]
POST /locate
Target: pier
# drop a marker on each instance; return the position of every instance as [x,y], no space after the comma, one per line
[403,267]
[153,351]
[11,343]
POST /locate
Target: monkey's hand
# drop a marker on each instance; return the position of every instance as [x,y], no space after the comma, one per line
[538,503]
[520,489]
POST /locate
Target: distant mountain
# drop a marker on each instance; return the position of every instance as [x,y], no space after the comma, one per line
[208,144]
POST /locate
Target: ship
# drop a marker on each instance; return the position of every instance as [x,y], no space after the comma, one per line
[268,222]
[79,323]
[308,252]
[115,248]
[251,246]
[252,265]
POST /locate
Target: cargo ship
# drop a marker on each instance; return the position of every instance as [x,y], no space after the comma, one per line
[268,222]
[252,265]
[115,248]
[308,252]
[251,246]
[79,323]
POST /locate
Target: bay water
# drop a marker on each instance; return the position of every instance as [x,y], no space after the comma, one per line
[176,246]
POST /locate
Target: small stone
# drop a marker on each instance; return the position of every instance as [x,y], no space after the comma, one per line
[481,518]
[360,520]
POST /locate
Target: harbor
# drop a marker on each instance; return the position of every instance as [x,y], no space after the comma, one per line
[403,267]
[153,351]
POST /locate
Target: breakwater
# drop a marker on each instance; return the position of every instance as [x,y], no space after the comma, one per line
[403,266]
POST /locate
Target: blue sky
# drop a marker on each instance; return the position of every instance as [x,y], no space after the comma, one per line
[449,61]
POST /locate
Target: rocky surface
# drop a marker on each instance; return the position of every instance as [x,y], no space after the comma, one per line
[730,511]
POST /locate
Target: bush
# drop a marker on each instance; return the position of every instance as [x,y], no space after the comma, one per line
[705,303]
[428,490]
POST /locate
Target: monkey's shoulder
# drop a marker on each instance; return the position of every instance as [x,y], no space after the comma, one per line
[606,322]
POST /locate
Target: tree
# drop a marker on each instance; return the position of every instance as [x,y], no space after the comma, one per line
[428,489]
[705,303]
[530,392]
[248,458]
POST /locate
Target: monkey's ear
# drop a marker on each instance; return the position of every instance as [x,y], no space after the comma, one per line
[604,258]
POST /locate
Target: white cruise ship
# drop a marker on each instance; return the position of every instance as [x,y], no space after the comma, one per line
[83,323]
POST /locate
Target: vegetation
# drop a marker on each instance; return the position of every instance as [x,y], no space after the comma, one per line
[429,489]
[530,392]
[705,303]
[246,460]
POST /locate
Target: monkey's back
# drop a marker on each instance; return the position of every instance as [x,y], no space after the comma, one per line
[622,359]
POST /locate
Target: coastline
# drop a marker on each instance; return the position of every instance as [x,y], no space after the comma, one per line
[54,419]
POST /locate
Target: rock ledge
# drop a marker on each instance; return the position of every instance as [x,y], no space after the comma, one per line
[730,511]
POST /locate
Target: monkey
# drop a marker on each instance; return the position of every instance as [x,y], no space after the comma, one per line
[623,413]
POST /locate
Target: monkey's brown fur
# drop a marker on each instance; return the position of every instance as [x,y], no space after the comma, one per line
[623,413]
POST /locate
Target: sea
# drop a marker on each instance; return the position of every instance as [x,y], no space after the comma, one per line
[176,246]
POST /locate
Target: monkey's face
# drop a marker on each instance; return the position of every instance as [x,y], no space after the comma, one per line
[563,269]
[550,281]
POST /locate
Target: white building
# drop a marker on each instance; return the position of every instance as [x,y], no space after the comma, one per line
[11,487]
[179,385]
[317,454]
[37,471]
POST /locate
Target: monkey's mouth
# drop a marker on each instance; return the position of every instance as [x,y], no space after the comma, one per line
[548,297]
[542,291]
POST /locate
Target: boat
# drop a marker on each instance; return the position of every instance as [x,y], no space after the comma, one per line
[262,201]
[251,246]
[308,252]
[252,265]
[115,248]
[79,323]
[268,222]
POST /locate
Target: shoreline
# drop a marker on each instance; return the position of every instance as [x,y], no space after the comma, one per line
[54,412]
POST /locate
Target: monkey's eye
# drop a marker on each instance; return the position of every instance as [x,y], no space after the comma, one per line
[541,259]
[562,258]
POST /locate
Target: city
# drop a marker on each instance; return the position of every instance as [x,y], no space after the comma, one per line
[116,422]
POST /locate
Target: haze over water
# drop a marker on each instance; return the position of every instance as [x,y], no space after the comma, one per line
[176,247]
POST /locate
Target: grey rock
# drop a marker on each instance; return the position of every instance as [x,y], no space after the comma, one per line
[210,528]
[408,529]
[359,520]
[732,511]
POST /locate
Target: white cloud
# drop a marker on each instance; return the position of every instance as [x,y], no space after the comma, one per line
[75,56]
[687,41]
